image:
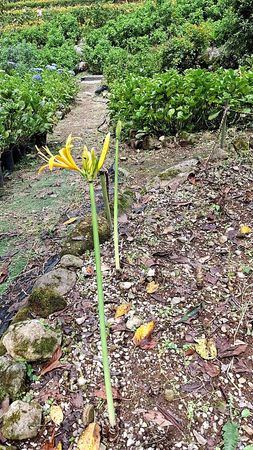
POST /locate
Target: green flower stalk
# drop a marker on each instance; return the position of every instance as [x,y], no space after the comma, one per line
[116,197]
[104,184]
[89,170]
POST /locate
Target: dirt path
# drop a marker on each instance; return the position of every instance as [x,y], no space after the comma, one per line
[34,208]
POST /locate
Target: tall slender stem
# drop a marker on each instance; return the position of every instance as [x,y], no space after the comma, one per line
[101,309]
[105,198]
[116,212]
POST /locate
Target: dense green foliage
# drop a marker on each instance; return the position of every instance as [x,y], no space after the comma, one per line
[29,105]
[139,52]
[35,85]
[192,101]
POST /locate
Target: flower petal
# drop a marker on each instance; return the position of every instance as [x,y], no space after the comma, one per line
[45,166]
[104,152]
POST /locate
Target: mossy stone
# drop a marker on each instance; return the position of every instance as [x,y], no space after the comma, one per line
[45,301]
[31,340]
[22,421]
[81,237]
[12,377]
[3,350]
[21,315]
[169,173]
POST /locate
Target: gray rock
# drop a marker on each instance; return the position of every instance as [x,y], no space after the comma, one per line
[31,340]
[71,261]
[12,377]
[184,167]
[133,323]
[22,421]
[61,280]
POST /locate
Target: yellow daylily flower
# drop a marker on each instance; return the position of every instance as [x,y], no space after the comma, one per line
[64,160]
[91,165]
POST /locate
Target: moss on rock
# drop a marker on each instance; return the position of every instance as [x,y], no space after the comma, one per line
[169,173]
[12,377]
[31,340]
[3,350]
[45,301]
[81,237]
[21,315]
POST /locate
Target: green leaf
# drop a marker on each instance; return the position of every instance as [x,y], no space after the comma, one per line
[190,314]
[214,115]
[248,447]
[230,436]
[245,413]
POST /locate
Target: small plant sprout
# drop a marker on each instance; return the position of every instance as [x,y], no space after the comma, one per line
[116,197]
[91,165]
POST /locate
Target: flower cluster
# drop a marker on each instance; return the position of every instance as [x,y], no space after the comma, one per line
[91,165]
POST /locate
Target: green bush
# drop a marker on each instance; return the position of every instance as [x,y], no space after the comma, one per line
[29,104]
[171,102]
[238,32]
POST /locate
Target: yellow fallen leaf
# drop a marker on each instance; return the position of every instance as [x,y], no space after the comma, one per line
[59,446]
[143,332]
[56,414]
[245,229]
[206,348]
[70,220]
[122,310]
[152,287]
[90,438]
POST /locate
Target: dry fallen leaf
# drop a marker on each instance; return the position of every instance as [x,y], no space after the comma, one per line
[211,369]
[49,445]
[122,310]
[90,438]
[100,393]
[70,220]
[54,362]
[56,414]
[206,348]
[234,349]
[152,287]
[157,418]
[245,229]
[143,333]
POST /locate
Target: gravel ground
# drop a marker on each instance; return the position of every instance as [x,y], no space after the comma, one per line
[188,241]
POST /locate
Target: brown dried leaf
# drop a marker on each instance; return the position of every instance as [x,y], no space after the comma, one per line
[50,445]
[157,418]
[77,400]
[100,393]
[211,369]
[234,350]
[90,438]
[54,362]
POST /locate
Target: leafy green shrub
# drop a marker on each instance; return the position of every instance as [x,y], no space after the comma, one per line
[171,102]
[20,56]
[29,104]
[238,32]
[119,63]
